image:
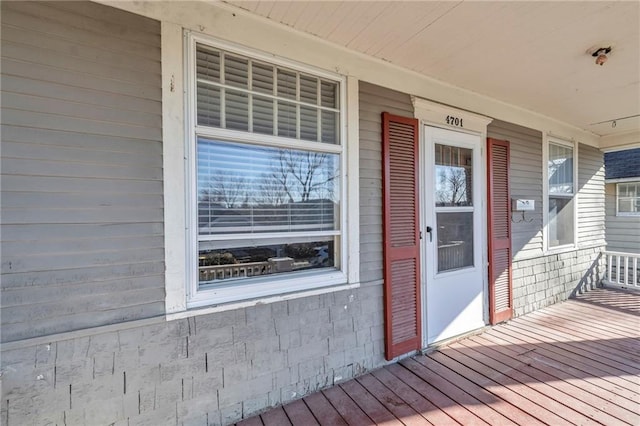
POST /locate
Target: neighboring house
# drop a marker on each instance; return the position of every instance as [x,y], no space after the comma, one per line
[622,186]
[132,132]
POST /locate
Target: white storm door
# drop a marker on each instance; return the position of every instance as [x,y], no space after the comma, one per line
[453,285]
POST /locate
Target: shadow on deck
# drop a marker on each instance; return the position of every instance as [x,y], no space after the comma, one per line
[576,362]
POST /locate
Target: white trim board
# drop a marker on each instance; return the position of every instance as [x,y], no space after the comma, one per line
[623,180]
[174,165]
[449,117]
[274,39]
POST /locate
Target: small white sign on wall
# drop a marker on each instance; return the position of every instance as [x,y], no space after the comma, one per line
[523,205]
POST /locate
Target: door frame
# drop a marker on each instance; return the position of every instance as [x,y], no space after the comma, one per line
[437,115]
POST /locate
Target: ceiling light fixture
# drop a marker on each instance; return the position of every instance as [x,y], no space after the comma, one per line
[601,55]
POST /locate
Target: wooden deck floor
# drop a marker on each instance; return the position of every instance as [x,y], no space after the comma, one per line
[577,362]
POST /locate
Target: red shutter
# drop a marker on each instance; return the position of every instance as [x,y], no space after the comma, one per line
[500,287]
[401,235]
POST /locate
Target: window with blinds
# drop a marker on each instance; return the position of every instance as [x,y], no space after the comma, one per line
[560,171]
[267,170]
[239,93]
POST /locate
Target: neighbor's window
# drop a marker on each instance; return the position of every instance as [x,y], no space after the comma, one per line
[561,196]
[268,175]
[628,198]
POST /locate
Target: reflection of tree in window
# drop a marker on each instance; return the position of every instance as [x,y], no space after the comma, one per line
[304,174]
[452,185]
[277,190]
[225,188]
[453,176]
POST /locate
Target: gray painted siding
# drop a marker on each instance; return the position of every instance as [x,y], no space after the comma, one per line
[526,183]
[591,197]
[374,100]
[82,237]
[622,232]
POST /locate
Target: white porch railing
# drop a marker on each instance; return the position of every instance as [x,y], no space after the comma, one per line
[622,270]
[246,270]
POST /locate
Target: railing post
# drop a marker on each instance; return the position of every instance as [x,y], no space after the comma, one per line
[609,267]
[625,279]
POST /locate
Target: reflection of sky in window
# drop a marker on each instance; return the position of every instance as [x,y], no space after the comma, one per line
[250,171]
[560,169]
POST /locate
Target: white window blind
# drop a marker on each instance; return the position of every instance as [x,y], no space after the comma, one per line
[238,93]
[244,188]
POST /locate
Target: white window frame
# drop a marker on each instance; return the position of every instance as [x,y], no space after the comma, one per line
[545,199]
[260,288]
[618,212]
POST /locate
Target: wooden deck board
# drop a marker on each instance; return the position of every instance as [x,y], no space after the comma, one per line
[376,411]
[522,408]
[591,405]
[590,369]
[576,362]
[585,348]
[591,318]
[344,405]
[528,398]
[422,405]
[398,407]
[299,413]
[323,411]
[565,405]
[594,393]
[506,411]
[573,328]
[275,417]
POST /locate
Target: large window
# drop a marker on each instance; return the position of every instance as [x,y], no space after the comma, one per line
[628,199]
[267,175]
[561,195]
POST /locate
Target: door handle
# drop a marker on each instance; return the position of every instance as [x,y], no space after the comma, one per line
[430,234]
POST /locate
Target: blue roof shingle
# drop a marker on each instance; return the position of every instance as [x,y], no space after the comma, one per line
[622,164]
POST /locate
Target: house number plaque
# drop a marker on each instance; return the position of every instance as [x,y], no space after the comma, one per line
[454,121]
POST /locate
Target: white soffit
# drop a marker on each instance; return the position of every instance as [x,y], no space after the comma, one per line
[529,54]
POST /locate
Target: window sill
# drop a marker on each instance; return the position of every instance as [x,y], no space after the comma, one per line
[211,309]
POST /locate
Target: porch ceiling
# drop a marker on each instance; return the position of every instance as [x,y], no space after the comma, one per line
[529,54]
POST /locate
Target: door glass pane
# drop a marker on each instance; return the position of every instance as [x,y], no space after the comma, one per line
[455,240]
[454,171]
